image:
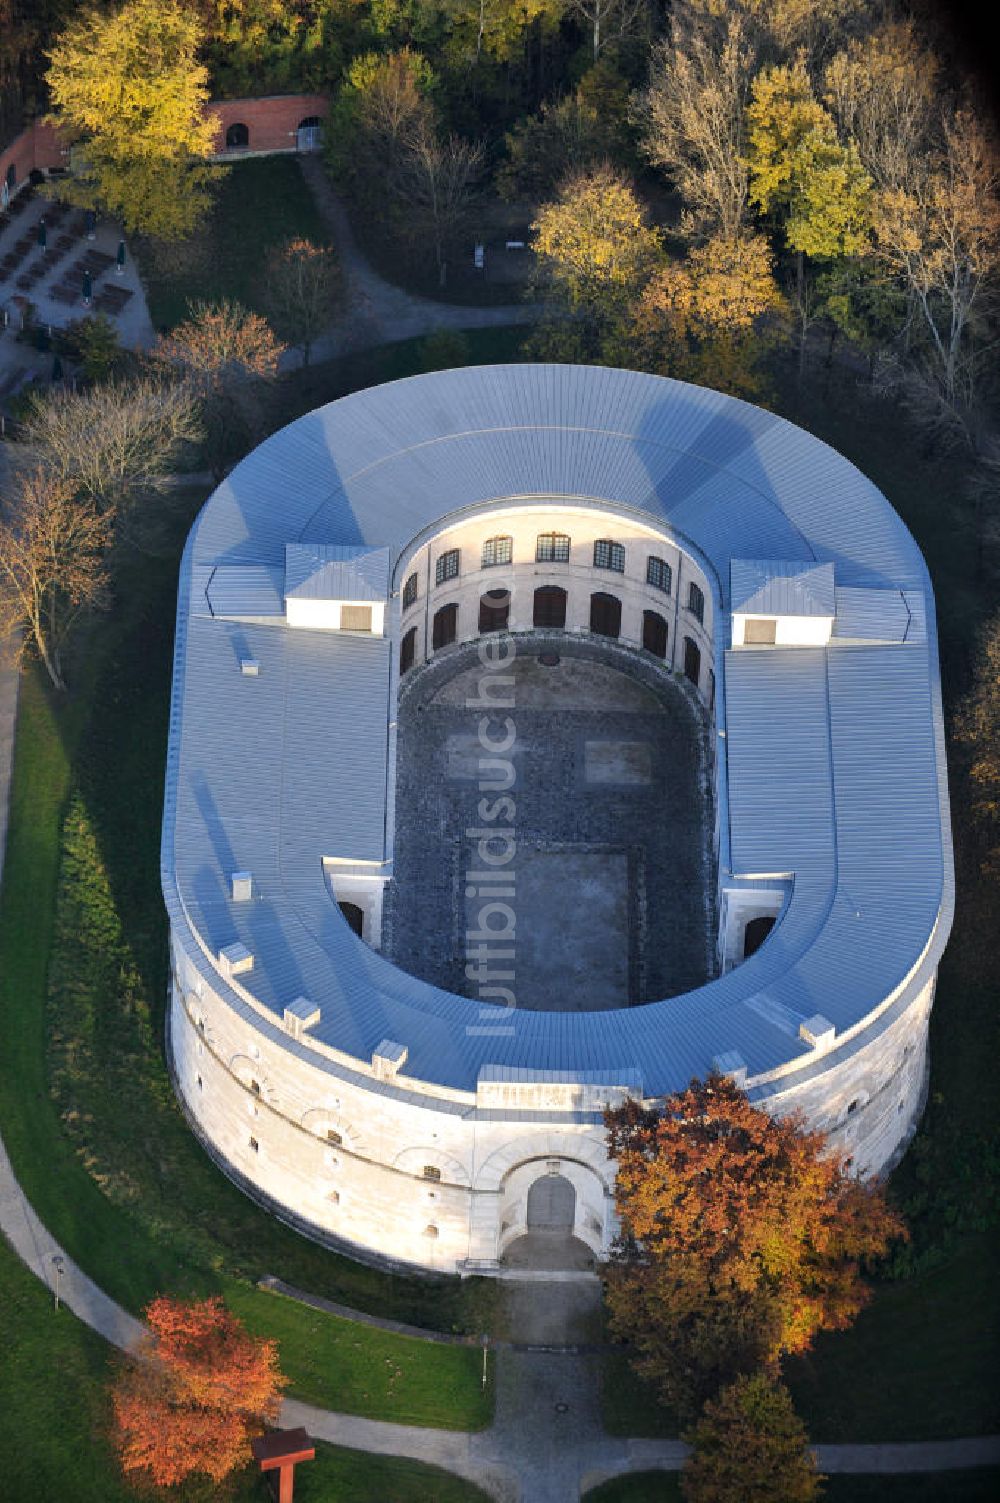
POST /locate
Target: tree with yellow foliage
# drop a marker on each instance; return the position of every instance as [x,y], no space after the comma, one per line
[800,169]
[798,165]
[129,94]
[700,319]
[750,1447]
[594,253]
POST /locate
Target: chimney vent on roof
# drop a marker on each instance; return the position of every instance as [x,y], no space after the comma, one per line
[388,1058]
[818,1031]
[300,1015]
[235,959]
[242,884]
[249,667]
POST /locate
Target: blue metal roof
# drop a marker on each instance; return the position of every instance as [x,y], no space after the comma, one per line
[329,571]
[781,587]
[834,760]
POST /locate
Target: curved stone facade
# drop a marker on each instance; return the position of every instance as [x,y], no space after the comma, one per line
[409,1124]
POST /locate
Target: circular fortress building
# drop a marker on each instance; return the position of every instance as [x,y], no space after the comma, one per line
[542,736]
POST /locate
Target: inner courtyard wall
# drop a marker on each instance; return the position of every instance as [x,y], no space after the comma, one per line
[578,576]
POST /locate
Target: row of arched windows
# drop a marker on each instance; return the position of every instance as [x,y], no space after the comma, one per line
[549,611]
[554,547]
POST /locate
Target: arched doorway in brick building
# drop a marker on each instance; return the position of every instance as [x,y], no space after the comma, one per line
[309,136]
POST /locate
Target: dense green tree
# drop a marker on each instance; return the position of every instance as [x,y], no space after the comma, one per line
[568,136]
[384,99]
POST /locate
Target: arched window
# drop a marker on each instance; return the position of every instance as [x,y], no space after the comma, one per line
[446,567]
[755,934]
[552,548]
[550,606]
[696,602]
[692,661]
[605,614]
[409,592]
[355,917]
[494,610]
[238,135]
[445,626]
[407,650]
[608,555]
[654,633]
[659,574]
[497,551]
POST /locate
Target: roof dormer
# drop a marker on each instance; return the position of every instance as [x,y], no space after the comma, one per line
[336,587]
[781,602]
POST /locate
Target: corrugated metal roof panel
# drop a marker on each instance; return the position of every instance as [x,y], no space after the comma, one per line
[780,587]
[871,615]
[240,591]
[329,571]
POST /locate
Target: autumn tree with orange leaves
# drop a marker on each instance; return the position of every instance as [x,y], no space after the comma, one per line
[196,1394]
[742,1236]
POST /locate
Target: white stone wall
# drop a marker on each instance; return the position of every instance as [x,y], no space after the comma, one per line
[790,631]
[578,577]
[869,1103]
[369,1189]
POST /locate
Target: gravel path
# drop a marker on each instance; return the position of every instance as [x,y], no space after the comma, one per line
[377,311]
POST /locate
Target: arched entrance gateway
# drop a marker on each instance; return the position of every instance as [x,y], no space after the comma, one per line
[552,1212]
[551,1204]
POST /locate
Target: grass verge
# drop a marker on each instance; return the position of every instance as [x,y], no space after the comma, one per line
[58,1449]
[259,204]
[86,1106]
[981,1485]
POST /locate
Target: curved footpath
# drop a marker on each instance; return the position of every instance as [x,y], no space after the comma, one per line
[379,312]
[547,1442]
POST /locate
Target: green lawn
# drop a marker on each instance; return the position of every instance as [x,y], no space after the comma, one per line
[259,203]
[54,1449]
[640,1487]
[937,1330]
[86,1106]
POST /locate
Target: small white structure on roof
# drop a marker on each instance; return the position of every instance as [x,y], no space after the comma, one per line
[333,587]
[781,603]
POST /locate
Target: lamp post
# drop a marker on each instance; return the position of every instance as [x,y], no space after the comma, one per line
[486,1343]
[58,1264]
